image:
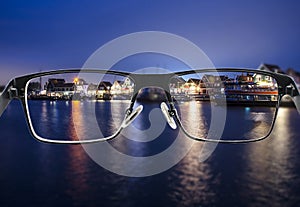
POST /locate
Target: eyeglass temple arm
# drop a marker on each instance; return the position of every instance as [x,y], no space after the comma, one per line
[296,99]
[292,90]
[6,96]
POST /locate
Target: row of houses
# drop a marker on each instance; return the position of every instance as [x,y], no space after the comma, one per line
[203,85]
[59,88]
[207,84]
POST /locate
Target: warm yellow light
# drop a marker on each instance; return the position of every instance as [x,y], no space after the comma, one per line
[264,83]
[75,80]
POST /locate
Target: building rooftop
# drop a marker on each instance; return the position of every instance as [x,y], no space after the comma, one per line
[271,67]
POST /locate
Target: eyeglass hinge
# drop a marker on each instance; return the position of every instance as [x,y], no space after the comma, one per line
[128,112]
[172,112]
[13,92]
[290,89]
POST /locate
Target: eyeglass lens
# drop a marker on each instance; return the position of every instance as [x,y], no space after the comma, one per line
[82,106]
[250,101]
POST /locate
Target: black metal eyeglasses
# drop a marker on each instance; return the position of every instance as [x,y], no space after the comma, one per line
[89,105]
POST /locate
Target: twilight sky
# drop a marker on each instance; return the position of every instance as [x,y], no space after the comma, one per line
[53,34]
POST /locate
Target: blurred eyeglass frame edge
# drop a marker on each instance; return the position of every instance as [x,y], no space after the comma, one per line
[15,89]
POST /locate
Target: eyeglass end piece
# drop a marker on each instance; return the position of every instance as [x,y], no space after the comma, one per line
[4,101]
[296,100]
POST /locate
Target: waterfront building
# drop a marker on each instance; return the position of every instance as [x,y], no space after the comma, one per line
[104,90]
[122,87]
[59,88]
[92,90]
[177,85]
[81,87]
[192,86]
[116,87]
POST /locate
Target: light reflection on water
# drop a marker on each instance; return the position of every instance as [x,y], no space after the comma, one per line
[78,166]
[94,120]
[195,117]
[241,122]
[54,120]
[192,181]
[270,165]
[265,173]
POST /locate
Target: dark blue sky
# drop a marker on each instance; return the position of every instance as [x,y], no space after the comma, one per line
[51,34]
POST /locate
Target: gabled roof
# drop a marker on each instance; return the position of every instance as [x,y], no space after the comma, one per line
[270,67]
[104,85]
[59,83]
[292,72]
[177,80]
[194,80]
[119,82]
[210,78]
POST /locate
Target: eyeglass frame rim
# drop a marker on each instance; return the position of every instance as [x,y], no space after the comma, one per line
[17,84]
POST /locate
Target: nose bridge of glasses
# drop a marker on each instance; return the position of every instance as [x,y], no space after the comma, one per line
[144,81]
[151,80]
[159,81]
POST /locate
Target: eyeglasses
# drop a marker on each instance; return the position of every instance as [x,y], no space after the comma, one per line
[88,105]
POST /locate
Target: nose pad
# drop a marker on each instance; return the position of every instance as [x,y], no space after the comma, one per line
[169,119]
[131,117]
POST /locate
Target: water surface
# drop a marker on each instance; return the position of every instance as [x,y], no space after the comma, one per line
[265,173]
